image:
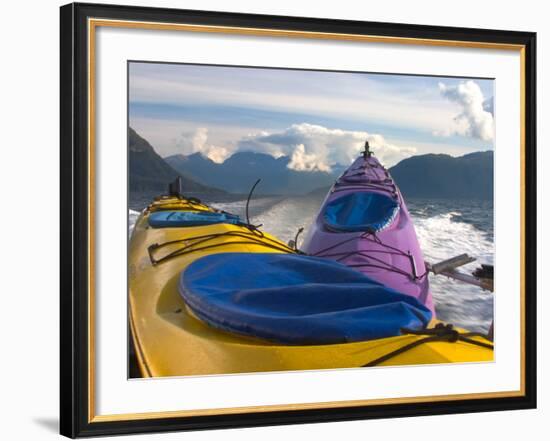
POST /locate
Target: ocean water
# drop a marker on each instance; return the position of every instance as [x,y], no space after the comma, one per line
[445,228]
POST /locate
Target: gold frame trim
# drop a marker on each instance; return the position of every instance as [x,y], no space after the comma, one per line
[92,25]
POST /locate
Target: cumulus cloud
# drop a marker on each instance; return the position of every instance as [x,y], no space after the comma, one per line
[301,161]
[317,148]
[309,147]
[197,142]
[475,120]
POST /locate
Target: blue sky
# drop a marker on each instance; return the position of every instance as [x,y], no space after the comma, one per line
[318,118]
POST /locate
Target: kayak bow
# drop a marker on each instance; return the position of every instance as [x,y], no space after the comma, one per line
[364,223]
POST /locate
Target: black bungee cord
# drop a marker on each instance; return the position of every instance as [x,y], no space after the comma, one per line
[251,238]
[258,239]
[440,333]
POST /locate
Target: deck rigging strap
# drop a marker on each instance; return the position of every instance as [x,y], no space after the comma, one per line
[251,237]
[375,186]
[439,333]
[339,256]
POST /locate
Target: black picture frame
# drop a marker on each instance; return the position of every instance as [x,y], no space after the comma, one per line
[76,420]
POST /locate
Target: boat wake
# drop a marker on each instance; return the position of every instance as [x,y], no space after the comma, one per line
[441,237]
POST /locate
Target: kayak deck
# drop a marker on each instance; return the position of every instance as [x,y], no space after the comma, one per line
[171,341]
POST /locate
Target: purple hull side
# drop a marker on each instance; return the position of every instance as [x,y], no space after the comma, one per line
[391,256]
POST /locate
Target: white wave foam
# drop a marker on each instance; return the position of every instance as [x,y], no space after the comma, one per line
[256,206]
[441,238]
[285,218]
[132,218]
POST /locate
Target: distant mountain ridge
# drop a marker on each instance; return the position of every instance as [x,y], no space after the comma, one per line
[424,176]
[443,176]
[149,172]
[238,173]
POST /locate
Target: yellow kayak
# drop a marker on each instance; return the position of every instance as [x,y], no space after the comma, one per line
[170,339]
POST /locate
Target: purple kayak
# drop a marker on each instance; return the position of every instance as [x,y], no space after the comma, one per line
[364,223]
